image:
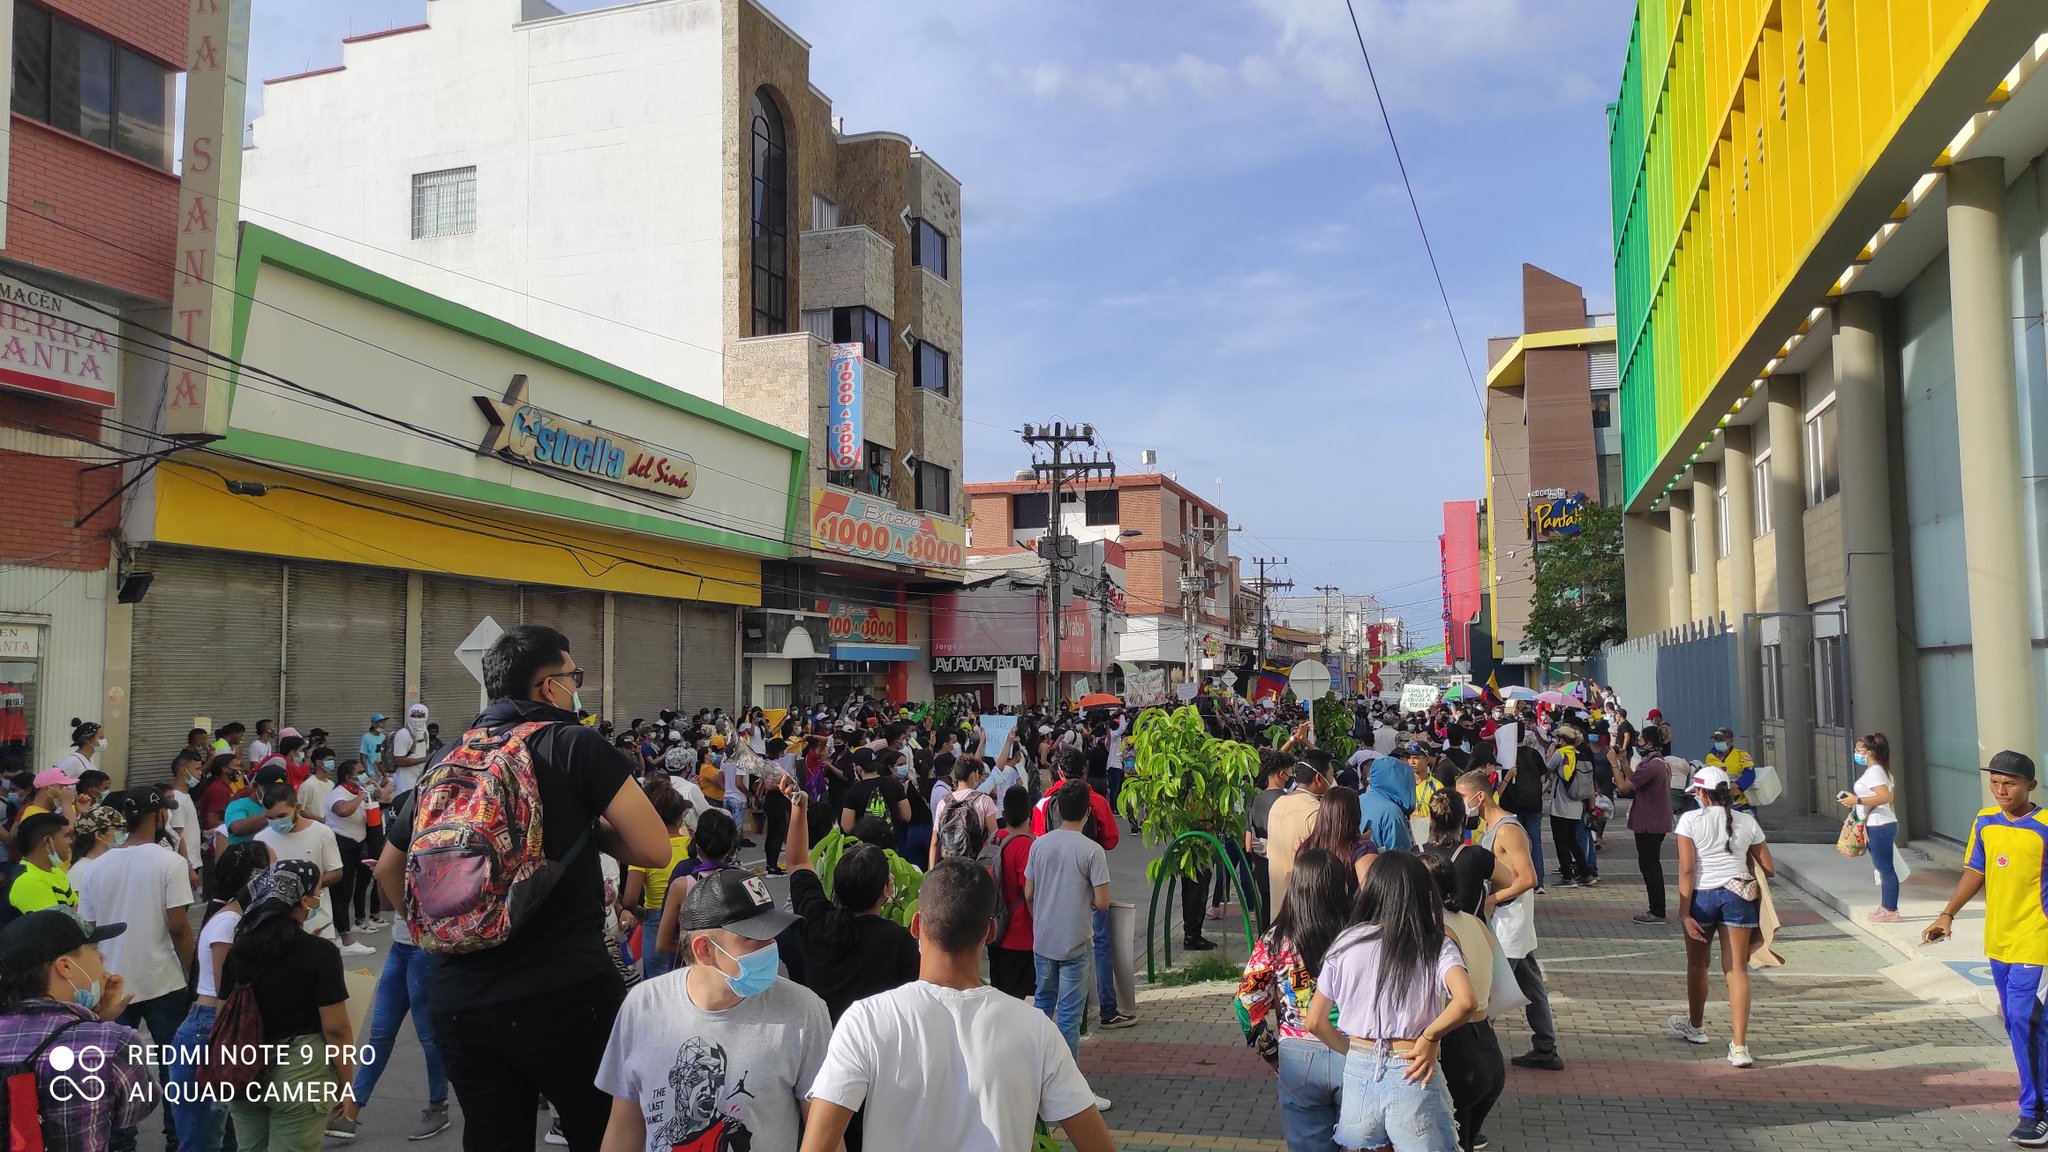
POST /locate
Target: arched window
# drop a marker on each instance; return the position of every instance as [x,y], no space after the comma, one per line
[771,218]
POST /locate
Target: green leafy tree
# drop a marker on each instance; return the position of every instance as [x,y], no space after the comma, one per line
[1186,780]
[1581,597]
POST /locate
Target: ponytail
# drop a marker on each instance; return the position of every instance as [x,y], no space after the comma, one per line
[1723,797]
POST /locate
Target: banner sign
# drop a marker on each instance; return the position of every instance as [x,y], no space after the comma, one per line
[1419,697]
[843,432]
[861,622]
[995,731]
[522,431]
[1553,513]
[854,524]
[1401,657]
[56,346]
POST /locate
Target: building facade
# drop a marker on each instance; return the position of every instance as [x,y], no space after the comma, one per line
[661,184]
[1828,224]
[86,261]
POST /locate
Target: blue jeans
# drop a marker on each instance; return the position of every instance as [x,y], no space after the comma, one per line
[163,1015]
[1586,851]
[736,805]
[1063,994]
[1105,967]
[406,984]
[1532,823]
[1311,1087]
[1883,839]
[652,961]
[1380,1107]
[2019,1001]
[199,1122]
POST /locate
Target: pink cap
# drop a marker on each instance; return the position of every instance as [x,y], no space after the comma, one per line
[284,732]
[55,777]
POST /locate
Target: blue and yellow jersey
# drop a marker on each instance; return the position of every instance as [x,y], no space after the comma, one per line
[1741,772]
[1425,790]
[2009,852]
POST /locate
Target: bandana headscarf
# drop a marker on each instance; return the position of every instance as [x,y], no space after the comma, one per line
[276,890]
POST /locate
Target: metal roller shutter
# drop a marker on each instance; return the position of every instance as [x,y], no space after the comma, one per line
[646,656]
[207,641]
[449,610]
[710,657]
[345,627]
[580,617]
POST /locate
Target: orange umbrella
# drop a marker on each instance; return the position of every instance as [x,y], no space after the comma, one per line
[1100,700]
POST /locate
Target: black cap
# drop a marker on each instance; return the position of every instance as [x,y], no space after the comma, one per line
[271,774]
[2011,763]
[739,903]
[40,937]
[135,803]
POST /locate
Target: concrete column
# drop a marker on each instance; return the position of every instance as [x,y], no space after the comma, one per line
[1737,470]
[611,677]
[1706,542]
[1677,505]
[415,607]
[1870,590]
[1646,564]
[1794,753]
[1987,411]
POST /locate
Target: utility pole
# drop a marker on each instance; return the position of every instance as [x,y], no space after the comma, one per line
[1060,437]
[1329,647]
[1264,586]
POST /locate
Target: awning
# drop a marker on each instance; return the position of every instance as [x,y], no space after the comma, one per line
[893,653]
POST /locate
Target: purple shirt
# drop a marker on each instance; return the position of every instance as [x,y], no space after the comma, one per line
[1351,974]
[75,1123]
[1651,783]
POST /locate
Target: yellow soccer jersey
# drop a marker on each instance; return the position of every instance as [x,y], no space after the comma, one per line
[2009,852]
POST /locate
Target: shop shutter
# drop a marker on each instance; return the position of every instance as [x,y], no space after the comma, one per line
[206,643]
[646,654]
[345,627]
[580,617]
[710,657]
[450,609]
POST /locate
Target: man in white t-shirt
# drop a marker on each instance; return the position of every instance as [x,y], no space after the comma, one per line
[293,837]
[948,1062]
[408,753]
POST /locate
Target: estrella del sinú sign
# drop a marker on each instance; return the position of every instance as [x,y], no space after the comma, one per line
[524,431]
[844,434]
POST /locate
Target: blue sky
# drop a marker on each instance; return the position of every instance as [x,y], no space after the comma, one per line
[1183,224]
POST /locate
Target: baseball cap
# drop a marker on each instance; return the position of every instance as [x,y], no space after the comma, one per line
[137,802]
[271,774]
[2011,763]
[40,937]
[1708,778]
[376,717]
[738,903]
[55,777]
[98,819]
[284,732]
[1656,716]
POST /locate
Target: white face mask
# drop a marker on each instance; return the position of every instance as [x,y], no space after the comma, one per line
[417,725]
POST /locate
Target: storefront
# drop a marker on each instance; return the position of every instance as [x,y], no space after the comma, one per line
[986,642]
[397,471]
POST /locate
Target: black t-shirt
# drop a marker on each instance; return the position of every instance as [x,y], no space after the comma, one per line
[848,957]
[1474,868]
[291,989]
[858,793]
[561,943]
[1262,809]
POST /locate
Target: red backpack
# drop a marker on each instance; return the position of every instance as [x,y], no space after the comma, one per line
[474,868]
[21,1106]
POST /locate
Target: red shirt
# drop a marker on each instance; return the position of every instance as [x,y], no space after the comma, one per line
[213,798]
[1098,807]
[1016,850]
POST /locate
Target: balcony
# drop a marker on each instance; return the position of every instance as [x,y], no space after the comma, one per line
[847,267]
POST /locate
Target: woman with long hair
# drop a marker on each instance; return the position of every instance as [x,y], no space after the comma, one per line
[1478,871]
[1338,831]
[1721,851]
[1871,799]
[714,848]
[1474,1069]
[1278,984]
[1400,986]
[201,1122]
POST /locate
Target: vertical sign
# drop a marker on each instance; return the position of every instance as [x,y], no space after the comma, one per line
[210,185]
[843,434]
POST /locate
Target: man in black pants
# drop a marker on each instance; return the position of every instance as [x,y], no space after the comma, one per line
[775,805]
[529,1016]
[1650,816]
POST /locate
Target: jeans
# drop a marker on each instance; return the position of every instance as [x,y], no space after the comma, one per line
[1311,1087]
[405,985]
[199,1122]
[1571,862]
[1529,977]
[164,1015]
[1532,823]
[1884,839]
[1475,1072]
[653,962]
[502,1059]
[1062,995]
[1587,851]
[1650,858]
[1380,1107]
[2020,1003]
[1105,966]
[736,806]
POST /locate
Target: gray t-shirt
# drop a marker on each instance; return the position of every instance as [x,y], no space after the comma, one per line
[1064,867]
[716,1079]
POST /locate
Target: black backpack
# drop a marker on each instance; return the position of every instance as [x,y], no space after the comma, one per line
[1525,792]
[991,857]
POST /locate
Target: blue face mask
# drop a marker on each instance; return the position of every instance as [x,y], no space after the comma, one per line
[1721,746]
[282,824]
[191,781]
[757,970]
[1862,761]
[328,764]
[903,771]
[87,998]
[120,838]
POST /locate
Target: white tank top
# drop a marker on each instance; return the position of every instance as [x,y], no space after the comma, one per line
[1514,923]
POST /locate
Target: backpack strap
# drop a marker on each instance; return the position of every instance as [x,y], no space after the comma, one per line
[41,1049]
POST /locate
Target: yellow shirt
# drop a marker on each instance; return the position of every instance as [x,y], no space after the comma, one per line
[2008,852]
[28,811]
[657,879]
[711,778]
[1735,763]
[38,888]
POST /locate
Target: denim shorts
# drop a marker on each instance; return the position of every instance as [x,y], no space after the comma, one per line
[1719,907]
[1380,1107]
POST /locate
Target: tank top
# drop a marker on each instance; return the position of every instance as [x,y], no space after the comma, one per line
[1514,922]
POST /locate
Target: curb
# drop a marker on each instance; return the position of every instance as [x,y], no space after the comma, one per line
[1958,990]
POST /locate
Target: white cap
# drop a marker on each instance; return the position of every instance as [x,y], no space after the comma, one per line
[1706,778]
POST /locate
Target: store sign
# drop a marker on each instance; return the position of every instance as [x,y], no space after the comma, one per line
[859,622]
[56,346]
[983,663]
[522,431]
[843,434]
[1553,513]
[853,524]
[19,641]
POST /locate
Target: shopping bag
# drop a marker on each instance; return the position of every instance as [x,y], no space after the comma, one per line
[1768,786]
[1506,994]
[1854,838]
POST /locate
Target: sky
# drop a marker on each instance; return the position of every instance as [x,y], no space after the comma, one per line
[1183,224]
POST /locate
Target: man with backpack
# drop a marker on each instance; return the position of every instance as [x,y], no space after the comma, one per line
[877,792]
[55,990]
[525,992]
[1011,968]
[965,818]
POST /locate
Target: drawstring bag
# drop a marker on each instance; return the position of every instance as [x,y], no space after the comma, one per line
[1854,839]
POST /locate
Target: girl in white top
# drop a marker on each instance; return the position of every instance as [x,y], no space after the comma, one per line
[200,1117]
[1722,862]
[1871,799]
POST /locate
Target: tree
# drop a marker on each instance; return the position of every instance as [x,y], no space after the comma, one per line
[1581,596]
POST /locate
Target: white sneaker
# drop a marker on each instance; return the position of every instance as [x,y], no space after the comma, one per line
[1102,1104]
[1683,1029]
[371,926]
[1738,1055]
[357,949]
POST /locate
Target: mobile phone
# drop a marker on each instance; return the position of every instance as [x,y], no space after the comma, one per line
[1845,794]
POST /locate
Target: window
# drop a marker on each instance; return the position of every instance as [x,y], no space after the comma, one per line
[1760,491]
[78,81]
[865,326]
[934,489]
[1610,479]
[1774,681]
[771,218]
[1721,522]
[1823,468]
[1830,683]
[928,248]
[818,322]
[1603,409]
[872,479]
[444,203]
[824,212]
[1101,507]
[933,369]
[1031,510]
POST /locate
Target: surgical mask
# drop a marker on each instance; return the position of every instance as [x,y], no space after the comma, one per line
[575,701]
[1721,746]
[327,765]
[87,998]
[903,771]
[757,970]
[120,838]
[1862,761]
[282,824]
[191,781]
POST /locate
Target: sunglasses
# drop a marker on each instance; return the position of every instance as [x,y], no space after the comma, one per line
[573,676]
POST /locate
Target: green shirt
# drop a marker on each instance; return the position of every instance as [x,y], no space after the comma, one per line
[38,888]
